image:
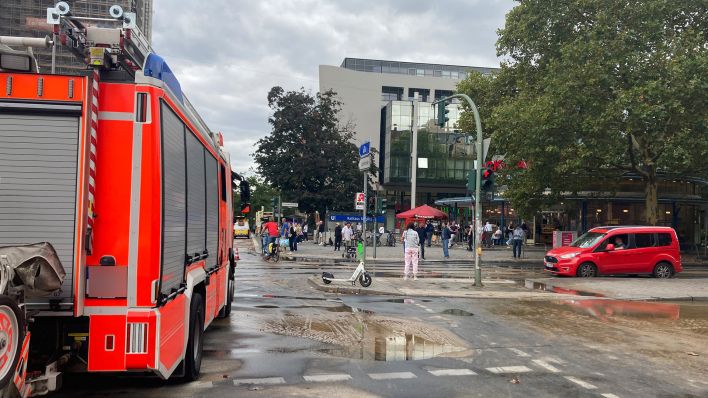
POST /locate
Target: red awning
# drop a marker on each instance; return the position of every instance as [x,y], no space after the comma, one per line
[424,211]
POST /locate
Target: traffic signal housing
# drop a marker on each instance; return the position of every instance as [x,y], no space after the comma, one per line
[442,114]
[488,178]
[274,202]
[371,205]
[472,180]
[245,208]
[381,205]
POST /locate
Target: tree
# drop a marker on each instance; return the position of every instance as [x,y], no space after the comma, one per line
[594,88]
[308,155]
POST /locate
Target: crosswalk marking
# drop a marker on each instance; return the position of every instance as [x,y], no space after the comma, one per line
[546,365]
[452,372]
[581,383]
[519,352]
[509,369]
[327,377]
[392,375]
[264,380]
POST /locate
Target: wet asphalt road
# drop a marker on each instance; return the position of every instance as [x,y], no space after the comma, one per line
[285,338]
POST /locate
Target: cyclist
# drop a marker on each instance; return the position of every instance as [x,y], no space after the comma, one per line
[272,233]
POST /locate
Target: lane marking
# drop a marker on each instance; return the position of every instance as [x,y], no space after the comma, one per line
[610,395]
[452,372]
[327,377]
[546,365]
[580,382]
[428,309]
[264,380]
[509,369]
[200,384]
[392,375]
[519,352]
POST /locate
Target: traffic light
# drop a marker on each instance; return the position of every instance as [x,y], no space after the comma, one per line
[275,202]
[381,205]
[472,180]
[442,115]
[371,205]
[488,178]
[245,208]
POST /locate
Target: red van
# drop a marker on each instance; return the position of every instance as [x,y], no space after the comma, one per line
[618,250]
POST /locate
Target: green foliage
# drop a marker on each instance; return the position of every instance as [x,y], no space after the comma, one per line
[594,88]
[307,155]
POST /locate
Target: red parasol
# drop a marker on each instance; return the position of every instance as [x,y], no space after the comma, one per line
[424,211]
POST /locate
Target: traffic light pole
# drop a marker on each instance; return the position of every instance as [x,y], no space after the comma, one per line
[376,221]
[366,204]
[478,187]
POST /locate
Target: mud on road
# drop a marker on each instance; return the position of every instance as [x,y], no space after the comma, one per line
[672,335]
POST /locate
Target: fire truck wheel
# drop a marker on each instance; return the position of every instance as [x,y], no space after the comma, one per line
[193,356]
[12,334]
[226,311]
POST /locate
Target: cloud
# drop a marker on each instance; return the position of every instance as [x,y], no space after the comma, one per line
[228,54]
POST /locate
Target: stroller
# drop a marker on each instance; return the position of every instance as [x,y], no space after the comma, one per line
[351,249]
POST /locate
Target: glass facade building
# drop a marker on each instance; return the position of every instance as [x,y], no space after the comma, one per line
[448,152]
[29,18]
[411,68]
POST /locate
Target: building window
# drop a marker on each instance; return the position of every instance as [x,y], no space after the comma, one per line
[423,93]
[442,94]
[389,93]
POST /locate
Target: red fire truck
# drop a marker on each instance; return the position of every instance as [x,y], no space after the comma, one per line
[116,245]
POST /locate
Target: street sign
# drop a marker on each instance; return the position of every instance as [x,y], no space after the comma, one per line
[365,149]
[365,163]
[289,204]
[359,201]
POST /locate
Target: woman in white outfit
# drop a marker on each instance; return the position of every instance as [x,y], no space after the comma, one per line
[412,245]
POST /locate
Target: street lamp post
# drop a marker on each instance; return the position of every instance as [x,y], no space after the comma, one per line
[478,187]
[414,149]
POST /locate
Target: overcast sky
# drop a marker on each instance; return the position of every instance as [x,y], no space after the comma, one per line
[228,54]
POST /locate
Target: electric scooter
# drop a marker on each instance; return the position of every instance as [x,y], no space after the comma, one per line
[359,274]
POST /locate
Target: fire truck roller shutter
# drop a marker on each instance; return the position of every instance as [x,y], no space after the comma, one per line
[38,164]
[212,201]
[196,197]
[174,200]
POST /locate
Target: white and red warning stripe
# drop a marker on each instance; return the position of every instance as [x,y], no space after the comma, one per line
[92,147]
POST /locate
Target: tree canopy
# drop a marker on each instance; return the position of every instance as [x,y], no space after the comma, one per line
[308,156]
[595,88]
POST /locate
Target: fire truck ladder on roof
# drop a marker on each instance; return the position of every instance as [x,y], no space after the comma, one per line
[103,43]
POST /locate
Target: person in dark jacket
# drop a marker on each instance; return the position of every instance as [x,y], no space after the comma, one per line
[445,234]
[429,233]
[422,233]
[338,238]
[293,238]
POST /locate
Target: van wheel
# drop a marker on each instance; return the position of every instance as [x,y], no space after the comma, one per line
[663,270]
[587,270]
[193,355]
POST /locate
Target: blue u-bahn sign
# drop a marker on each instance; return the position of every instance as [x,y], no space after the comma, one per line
[354,218]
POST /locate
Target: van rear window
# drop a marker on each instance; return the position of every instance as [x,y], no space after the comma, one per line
[644,240]
[664,240]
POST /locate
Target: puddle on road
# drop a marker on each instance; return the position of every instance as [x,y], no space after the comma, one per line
[456,312]
[560,290]
[370,337]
